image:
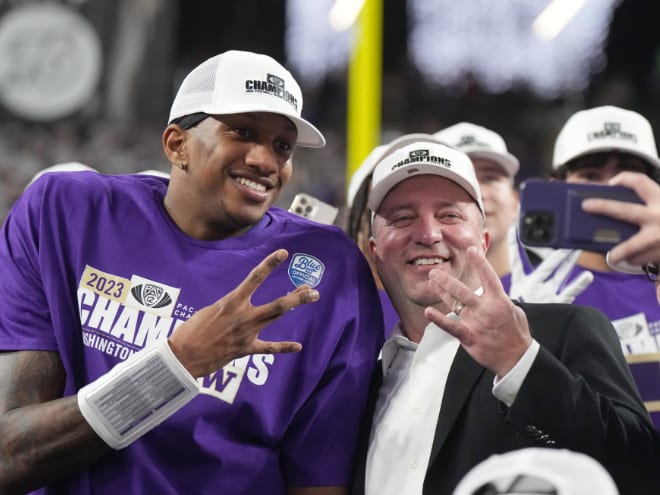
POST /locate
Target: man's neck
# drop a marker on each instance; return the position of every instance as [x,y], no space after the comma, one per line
[413,326]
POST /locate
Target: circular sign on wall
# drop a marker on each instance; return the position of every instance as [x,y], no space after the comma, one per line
[50,61]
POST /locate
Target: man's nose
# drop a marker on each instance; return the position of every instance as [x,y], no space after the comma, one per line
[429,230]
[262,157]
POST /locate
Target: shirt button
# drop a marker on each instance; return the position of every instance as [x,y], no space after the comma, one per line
[413,465]
[415,410]
[423,361]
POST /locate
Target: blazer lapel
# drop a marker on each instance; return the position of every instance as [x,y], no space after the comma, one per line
[463,377]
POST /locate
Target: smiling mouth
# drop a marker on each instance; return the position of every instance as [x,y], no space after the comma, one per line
[428,261]
[255,186]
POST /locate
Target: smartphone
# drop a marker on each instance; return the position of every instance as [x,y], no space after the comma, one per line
[551,215]
[313,208]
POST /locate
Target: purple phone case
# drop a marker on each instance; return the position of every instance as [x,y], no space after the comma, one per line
[551,215]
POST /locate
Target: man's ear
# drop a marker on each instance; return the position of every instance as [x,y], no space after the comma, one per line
[485,240]
[372,247]
[174,139]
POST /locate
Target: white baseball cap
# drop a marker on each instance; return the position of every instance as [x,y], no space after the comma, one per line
[423,158]
[534,468]
[239,82]
[606,128]
[480,142]
[377,154]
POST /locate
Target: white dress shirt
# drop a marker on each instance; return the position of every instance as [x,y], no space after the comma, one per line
[408,405]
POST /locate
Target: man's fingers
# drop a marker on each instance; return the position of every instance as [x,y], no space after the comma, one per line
[259,273]
[265,347]
[619,210]
[450,325]
[485,271]
[276,308]
[645,187]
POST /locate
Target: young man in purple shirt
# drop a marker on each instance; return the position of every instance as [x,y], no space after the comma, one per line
[151,328]
[593,146]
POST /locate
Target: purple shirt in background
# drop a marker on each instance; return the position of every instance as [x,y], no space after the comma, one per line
[94,269]
[630,302]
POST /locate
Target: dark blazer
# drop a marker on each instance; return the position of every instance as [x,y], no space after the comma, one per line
[579,395]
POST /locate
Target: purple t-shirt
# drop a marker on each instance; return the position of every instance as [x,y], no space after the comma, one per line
[93,268]
[630,302]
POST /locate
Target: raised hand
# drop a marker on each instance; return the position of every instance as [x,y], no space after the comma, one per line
[491,328]
[229,328]
[544,283]
[643,247]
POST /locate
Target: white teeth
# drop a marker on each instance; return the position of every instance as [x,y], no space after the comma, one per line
[251,184]
[427,261]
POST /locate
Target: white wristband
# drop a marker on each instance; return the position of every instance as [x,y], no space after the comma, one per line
[137,395]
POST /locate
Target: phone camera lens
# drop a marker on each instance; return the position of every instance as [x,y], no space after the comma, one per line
[538,227]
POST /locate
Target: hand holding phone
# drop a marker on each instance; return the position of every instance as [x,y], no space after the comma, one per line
[644,247]
[551,215]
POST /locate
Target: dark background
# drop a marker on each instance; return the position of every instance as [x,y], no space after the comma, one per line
[120,135]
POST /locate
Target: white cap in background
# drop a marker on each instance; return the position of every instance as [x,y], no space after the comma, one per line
[531,469]
[480,142]
[606,128]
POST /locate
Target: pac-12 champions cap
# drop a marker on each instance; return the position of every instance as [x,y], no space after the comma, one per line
[239,82]
[606,128]
[538,470]
[423,158]
[377,154]
[480,142]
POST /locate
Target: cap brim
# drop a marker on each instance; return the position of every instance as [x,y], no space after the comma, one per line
[308,135]
[380,190]
[602,149]
[380,152]
[507,161]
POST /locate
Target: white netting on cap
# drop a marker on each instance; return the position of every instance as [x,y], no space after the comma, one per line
[196,89]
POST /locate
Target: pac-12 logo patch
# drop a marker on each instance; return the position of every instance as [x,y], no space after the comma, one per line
[305,269]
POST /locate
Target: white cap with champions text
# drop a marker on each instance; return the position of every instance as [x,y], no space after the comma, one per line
[538,470]
[423,158]
[606,128]
[480,142]
[377,154]
[240,82]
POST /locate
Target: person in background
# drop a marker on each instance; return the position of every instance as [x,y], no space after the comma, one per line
[641,252]
[496,170]
[593,146]
[469,373]
[359,216]
[639,255]
[159,336]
